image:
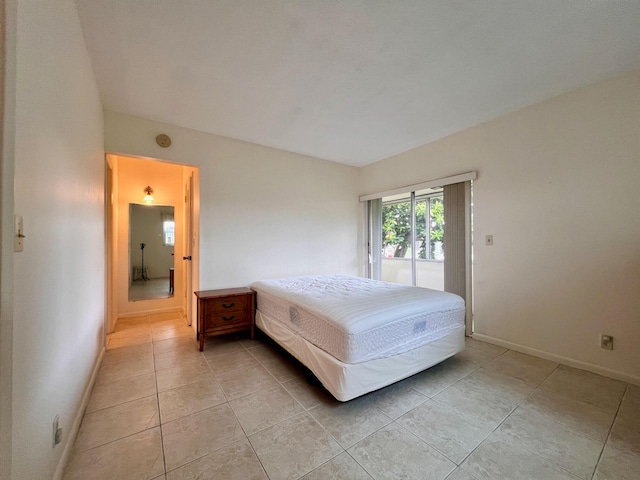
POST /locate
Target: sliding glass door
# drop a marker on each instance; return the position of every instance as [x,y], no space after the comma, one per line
[411,231]
[421,235]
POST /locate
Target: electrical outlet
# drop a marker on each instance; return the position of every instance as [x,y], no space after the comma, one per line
[57,431]
[606,341]
[488,240]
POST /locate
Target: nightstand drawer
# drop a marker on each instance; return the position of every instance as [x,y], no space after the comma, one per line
[226,319]
[226,305]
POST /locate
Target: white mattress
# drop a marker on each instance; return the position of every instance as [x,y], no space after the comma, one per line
[356,319]
[347,381]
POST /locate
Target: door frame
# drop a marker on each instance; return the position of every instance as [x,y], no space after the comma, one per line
[111,249]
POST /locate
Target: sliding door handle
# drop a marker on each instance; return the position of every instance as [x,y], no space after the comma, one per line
[187,258]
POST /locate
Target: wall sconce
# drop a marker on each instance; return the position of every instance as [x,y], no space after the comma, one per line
[148,198]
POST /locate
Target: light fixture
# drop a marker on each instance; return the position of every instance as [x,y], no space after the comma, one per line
[148,198]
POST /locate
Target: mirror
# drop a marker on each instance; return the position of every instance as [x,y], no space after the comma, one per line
[152,240]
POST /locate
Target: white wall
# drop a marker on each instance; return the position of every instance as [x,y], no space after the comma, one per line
[58,281]
[557,188]
[264,213]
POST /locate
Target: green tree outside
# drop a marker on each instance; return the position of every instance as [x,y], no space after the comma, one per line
[396,227]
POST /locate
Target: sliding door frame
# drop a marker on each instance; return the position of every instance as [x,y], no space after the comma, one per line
[374,202]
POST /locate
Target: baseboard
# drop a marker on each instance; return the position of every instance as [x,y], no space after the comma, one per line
[75,427]
[570,362]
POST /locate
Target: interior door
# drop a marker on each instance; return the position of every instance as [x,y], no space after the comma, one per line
[189,241]
[111,304]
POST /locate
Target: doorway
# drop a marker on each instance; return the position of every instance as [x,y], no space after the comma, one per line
[170,243]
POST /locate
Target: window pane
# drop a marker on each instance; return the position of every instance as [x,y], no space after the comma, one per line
[422,232]
[396,242]
[168,231]
[436,228]
[430,232]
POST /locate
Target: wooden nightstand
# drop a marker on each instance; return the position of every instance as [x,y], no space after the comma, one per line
[225,311]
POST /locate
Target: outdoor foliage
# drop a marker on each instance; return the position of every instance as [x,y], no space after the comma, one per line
[396,227]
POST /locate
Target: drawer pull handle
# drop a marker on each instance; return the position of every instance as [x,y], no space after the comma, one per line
[224,305]
[228,319]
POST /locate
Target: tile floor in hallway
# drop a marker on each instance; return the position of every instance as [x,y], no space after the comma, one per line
[242,409]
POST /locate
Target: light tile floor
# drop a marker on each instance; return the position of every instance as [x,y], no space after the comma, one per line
[242,409]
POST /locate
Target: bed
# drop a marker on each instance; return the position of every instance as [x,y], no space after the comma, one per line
[358,335]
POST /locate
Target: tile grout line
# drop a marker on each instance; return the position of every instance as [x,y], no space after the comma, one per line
[162,423]
[151,344]
[228,403]
[281,384]
[428,444]
[344,450]
[304,411]
[119,404]
[532,452]
[392,420]
[358,463]
[615,417]
[518,406]
[307,411]
[510,413]
[247,438]
[155,374]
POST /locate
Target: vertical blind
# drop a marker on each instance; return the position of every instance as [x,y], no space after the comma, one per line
[456,242]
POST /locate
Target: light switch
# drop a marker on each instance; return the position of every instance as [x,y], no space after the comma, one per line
[18,234]
[488,240]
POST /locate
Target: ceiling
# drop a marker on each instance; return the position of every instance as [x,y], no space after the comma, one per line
[351,81]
